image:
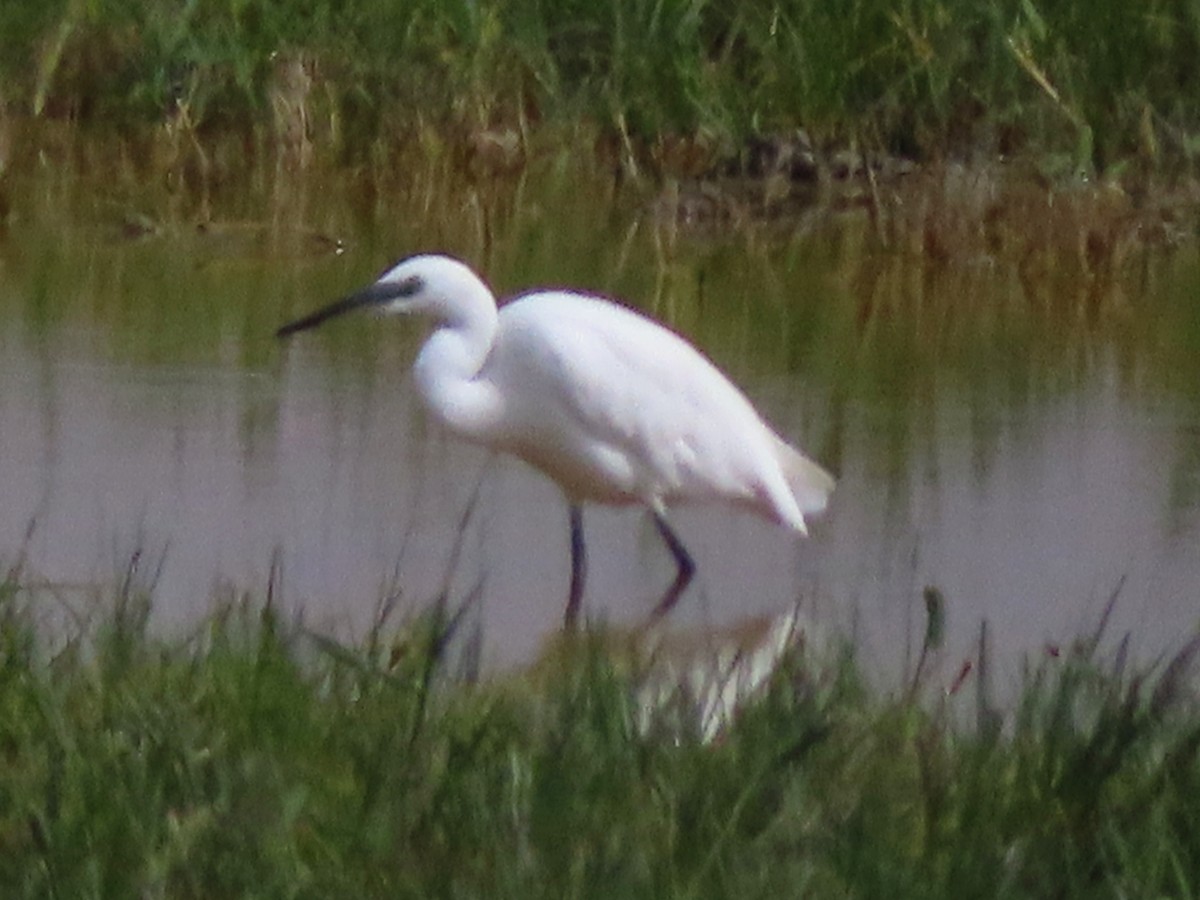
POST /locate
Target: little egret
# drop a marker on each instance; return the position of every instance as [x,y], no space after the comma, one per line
[609,404]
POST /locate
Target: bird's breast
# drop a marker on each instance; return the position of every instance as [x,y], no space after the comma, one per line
[593,473]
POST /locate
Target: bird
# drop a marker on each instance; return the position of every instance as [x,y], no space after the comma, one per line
[614,407]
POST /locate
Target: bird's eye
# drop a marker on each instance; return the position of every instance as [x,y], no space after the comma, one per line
[410,286]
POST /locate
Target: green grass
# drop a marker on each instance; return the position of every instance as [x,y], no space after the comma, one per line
[1097,82]
[251,759]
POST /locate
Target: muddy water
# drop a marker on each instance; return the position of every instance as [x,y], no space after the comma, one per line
[1026,444]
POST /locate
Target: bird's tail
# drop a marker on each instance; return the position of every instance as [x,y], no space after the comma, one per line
[810,484]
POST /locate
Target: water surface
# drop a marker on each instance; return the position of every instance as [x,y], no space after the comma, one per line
[1025,448]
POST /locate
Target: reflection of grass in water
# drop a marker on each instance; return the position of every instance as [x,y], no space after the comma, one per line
[248,758]
[977,279]
[1092,82]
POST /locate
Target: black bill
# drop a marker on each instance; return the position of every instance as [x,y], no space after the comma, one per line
[375,295]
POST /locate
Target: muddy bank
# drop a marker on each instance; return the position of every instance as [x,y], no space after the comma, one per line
[1033,212]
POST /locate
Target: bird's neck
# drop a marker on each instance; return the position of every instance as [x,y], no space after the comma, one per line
[447,371]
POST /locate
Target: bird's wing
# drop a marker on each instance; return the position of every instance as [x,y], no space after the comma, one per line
[644,407]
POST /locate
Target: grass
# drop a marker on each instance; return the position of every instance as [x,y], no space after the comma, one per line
[1097,84]
[251,759]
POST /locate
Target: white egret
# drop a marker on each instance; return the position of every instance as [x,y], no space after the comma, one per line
[612,406]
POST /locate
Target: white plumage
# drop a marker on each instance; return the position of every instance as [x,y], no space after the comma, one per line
[614,407]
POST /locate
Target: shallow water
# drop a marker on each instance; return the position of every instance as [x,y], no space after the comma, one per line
[1025,447]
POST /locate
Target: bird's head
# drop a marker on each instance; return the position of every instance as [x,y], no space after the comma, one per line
[437,286]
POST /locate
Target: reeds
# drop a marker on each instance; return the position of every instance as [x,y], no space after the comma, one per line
[250,758]
[1094,85]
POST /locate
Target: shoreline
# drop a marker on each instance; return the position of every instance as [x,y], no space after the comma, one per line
[1020,211]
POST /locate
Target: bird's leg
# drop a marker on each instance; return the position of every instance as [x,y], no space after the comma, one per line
[578,568]
[683,559]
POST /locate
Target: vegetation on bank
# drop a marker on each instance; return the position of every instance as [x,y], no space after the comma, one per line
[1098,83]
[252,759]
